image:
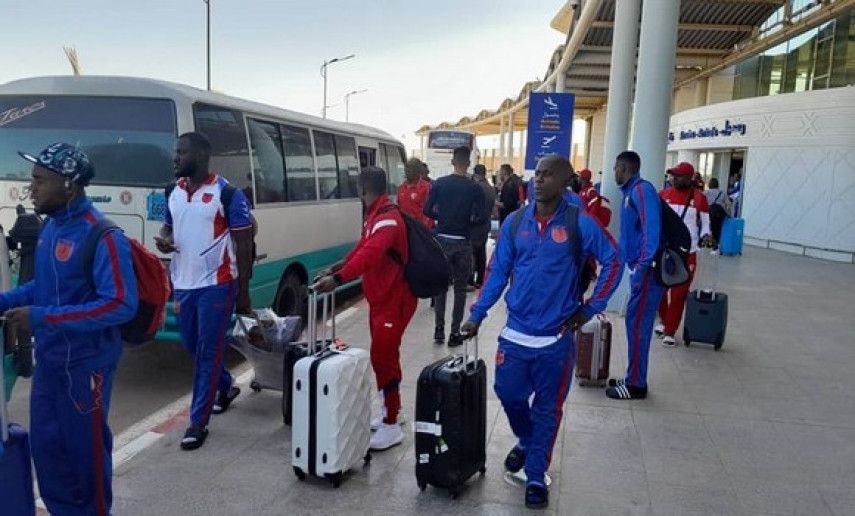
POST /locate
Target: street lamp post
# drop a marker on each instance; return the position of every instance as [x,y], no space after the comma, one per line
[208,46]
[347,103]
[324,75]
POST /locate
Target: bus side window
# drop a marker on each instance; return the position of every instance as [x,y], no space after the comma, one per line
[230,151]
[267,160]
[394,166]
[299,167]
[327,167]
[348,166]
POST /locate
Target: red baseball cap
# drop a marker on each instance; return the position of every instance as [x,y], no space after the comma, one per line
[682,169]
[585,174]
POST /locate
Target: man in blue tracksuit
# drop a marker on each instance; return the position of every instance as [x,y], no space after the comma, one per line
[567,194]
[543,256]
[75,319]
[640,236]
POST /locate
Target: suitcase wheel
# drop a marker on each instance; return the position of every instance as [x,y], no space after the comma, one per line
[335,479]
[300,474]
[686,342]
[422,486]
[454,492]
[718,345]
[483,470]
[255,386]
[367,459]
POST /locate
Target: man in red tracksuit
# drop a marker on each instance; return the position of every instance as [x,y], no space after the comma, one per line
[413,193]
[377,258]
[595,204]
[690,204]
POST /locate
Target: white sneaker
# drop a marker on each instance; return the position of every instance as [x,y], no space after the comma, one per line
[659,329]
[386,436]
[377,421]
[668,341]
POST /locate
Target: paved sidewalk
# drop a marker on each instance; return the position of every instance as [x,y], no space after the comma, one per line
[764,426]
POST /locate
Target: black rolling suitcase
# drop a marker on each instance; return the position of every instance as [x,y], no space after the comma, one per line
[706,308]
[451,422]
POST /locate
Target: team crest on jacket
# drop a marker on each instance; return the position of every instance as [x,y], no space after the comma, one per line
[559,234]
[500,357]
[206,198]
[63,250]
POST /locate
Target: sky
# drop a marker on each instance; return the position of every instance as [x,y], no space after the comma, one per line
[421,62]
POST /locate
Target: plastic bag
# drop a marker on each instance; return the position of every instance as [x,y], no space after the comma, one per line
[266,328]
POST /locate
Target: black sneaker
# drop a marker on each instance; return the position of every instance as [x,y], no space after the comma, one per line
[626,392]
[194,437]
[439,336]
[224,399]
[454,340]
[536,496]
[515,459]
[614,382]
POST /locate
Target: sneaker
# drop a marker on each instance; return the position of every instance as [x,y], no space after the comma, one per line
[224,399]
[439,336]
[659,329]
[536,496]
[614,382]
[668,341]
[194,437]
[626,392]
[377,421]
[454,340]
[515,459]
[386,436]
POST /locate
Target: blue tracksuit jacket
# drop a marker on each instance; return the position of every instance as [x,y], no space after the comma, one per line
[77,346]
[538,302]
[640,223]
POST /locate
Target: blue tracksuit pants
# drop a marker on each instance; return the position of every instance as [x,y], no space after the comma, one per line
[71,443]
[547,372]
[204,315]
[644,297]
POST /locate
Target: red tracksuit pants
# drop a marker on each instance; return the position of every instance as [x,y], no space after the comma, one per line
[674,300]
[388,323]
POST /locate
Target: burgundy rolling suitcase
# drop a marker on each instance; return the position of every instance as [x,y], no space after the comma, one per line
[593,351]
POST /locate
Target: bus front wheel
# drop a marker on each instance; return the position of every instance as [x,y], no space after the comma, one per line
[291,297]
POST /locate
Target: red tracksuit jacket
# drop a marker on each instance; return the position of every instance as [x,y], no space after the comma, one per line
[382,277]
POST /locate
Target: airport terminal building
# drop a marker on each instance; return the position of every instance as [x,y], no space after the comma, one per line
[762,90]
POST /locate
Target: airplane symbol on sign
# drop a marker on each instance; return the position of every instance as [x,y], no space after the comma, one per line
[547,140]
[551,103]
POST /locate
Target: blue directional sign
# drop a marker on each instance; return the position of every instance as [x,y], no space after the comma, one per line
[550,126]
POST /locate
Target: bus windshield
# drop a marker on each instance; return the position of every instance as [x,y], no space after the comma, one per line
[449,140]
[129,140]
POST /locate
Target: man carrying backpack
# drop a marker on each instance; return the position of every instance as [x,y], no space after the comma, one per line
[542,247]
[691,205]
[378,258]
[210,239]
[640,238]
[75,321]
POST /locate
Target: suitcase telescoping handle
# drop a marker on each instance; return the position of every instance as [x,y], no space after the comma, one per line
[4,410]
[707,272]
[466,339]
[327,319]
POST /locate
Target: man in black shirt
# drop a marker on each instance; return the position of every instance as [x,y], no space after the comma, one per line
[509,197]
[457,204]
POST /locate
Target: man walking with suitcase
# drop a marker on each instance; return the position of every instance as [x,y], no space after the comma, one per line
[75,318]
[691,205]
[210,239]
[457,203]
[640,232]
[377,257]
[542,247]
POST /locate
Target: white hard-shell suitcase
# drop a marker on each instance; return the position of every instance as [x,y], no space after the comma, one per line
[332,390]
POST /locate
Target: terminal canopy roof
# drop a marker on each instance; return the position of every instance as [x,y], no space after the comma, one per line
[712,35]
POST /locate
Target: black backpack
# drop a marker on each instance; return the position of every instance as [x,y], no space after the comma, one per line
[672,259]
[717,211]
[427,271]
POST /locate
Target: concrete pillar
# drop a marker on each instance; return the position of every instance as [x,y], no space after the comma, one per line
[422,146]
[657,51]
[619,103]
[501,137]
[523,142]
[701,92]
[722,168]
[510,147]
[559,81]
[689,156]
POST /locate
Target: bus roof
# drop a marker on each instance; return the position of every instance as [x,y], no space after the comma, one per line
[118,86]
